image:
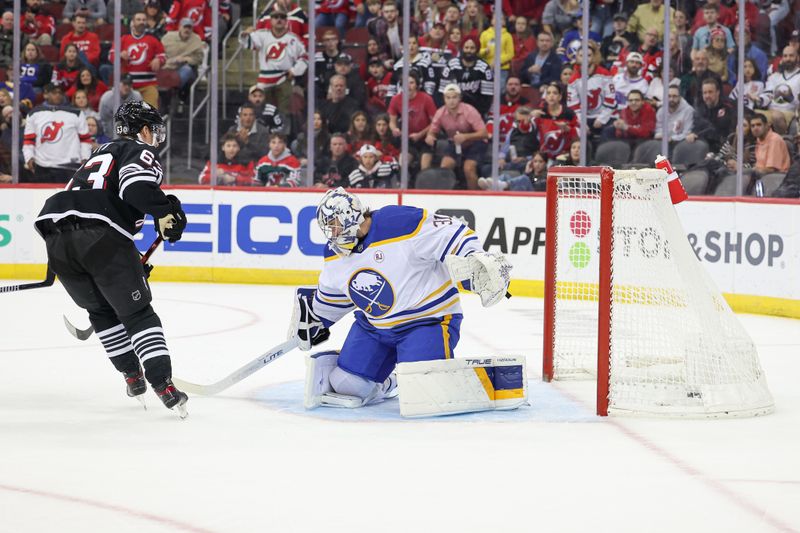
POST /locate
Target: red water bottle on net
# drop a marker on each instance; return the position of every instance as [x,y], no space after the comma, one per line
[676,191]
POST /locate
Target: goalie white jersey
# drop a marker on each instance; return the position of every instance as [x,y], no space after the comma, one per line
[405,247]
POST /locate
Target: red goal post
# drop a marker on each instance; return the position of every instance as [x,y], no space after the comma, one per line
[628,304]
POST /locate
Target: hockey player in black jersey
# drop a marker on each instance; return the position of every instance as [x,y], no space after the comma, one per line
[89,229]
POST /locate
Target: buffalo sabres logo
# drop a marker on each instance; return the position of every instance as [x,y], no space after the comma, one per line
[52,132]
[371,292]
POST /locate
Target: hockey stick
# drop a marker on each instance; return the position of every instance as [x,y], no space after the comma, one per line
[83,334]
[48,280]
[238,375]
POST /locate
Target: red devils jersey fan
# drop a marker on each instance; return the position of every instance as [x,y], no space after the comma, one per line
[281,55]
[556,125]
[89,229]
[509,103]
[199,11]
[142,55]
[56,139]
[296,18]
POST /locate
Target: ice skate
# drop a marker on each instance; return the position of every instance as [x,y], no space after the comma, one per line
[173,398]
[136,385]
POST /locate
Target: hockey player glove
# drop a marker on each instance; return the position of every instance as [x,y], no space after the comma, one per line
[489,274]
[171,226]
[306,325]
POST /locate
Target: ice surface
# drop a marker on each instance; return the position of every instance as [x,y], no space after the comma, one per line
[76,454]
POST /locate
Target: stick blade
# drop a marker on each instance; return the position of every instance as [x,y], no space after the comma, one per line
[80,334]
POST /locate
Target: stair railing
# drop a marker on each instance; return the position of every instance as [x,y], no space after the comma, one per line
[193,112]
[226,63]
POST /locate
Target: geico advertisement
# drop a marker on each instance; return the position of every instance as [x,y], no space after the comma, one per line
[258,229]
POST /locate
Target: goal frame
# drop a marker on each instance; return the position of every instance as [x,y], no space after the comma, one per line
[606,239]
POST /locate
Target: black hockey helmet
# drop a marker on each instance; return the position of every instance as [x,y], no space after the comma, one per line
[131,117]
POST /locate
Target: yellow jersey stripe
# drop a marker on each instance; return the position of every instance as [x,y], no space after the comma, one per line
[333,300]
[416,317]
[436,292]
[446,336]
[403,237]
[485,381]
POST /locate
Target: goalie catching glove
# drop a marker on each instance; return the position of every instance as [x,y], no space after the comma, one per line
[305,325]
[487,273]
[170,227]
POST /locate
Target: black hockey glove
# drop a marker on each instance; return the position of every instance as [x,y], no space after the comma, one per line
[171,226]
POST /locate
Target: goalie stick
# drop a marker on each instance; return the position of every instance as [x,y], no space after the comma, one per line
[238,375]
[83,334]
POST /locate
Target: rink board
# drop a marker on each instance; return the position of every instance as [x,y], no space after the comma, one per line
[250,235]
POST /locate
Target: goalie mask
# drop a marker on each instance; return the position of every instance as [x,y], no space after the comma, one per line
[339,216]
[131,117]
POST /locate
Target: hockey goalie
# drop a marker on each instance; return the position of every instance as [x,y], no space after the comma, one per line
[400,269]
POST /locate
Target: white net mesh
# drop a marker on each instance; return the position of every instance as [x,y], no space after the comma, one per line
[676,346]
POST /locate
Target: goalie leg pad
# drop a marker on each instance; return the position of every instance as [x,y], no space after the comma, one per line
[318,370]
[327,385]
[454,386]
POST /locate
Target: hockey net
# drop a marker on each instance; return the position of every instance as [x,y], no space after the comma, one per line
[628,303]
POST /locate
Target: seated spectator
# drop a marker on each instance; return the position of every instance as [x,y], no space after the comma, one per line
[372,173]
[473,76]
[510,100]
[7,38]
[157,20]
[682,29]
[374,52]
[569,48]
[298,20]
[718,57]
[601,101]
[334,170]
[356,88]
[691,83]
[253,137]
[93,10]
[572,157]
[378,84]
[452,19]
[384,141]
[369,10]
[621,39]
[524,42]
[782,92]
[424,15]
[434,42]
[324,59]
[723,14]
[543,66]
[106,107]
[652,55]
[680,57]
[558,15]
[680,116]
[360,132]
[91,85]
[487,49]
[453,44]
[554,124]
[422,64]
[771,152]
[231,169]
[322,141]
[80,100]
[751,51]
[521,142]
[37,25]
[421,111]
[65,73]
[790,186]
[473,20]
[96,132]
[88,42]
[649,15]
[465,130]
[200,13]
[338,107]
[630,78]
[753,86]
[184,51]
[387,30]
[636,122]
[534,178]
[715,117]
[278,168]
[35,71]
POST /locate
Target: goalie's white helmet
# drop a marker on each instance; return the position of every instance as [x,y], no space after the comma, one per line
[339,216]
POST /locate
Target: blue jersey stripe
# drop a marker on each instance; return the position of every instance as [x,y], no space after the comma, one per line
[449,244]
[473,238]
[337,306]
[446,296]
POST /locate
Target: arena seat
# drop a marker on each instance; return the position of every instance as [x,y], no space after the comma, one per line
[54,9]
[613,153]
[320,31]
[687,154]
[61,30]
[727,186]
[772,181]
[645,153]
[105,32]
[532,94]
[436,178]
[357,36]
[49,53]
[695,182]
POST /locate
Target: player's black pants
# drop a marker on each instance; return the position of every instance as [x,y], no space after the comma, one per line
[102,272]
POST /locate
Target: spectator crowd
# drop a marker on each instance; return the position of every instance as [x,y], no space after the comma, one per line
[358,80]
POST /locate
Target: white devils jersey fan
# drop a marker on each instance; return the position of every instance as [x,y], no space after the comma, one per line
[56,136]
[277,56]
[600,100]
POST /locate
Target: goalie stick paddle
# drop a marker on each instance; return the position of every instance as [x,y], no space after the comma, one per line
[83,334]
[238,375]
[48,280]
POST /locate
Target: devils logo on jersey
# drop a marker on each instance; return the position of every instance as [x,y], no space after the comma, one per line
[275,51]
[52,132]
[137,53]
[553,143]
